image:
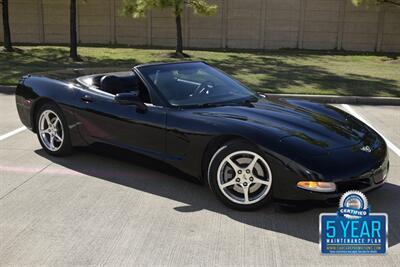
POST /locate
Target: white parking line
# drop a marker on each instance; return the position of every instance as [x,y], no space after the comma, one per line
[349,109]
[9,134]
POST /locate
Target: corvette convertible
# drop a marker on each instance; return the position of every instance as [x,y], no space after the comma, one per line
[249,148]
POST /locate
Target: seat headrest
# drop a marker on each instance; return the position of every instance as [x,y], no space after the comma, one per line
[119,84]
[110,84]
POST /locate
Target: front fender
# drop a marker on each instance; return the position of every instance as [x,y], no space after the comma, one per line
[189,136]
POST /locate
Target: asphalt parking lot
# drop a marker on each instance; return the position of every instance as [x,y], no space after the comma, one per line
[95,208]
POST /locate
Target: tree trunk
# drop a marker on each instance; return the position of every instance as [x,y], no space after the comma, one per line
[6,28]
[179,45]
[73,51]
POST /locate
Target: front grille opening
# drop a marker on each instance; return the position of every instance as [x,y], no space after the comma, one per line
[359,184]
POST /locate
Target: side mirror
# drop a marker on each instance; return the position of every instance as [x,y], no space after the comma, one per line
[130,99]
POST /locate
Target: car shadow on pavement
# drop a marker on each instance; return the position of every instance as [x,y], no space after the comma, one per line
[155,177]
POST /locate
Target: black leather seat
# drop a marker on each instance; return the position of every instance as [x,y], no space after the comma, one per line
[122,84]
[110,84]
[119,84]
[167,84]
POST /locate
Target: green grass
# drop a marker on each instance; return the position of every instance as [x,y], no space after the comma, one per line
[300,72]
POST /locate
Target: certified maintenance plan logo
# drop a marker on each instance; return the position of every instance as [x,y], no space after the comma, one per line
[353,229]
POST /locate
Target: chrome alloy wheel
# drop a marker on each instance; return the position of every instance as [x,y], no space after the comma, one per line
[244,177]
[51,130]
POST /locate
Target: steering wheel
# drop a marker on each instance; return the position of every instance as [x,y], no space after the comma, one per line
[203,88]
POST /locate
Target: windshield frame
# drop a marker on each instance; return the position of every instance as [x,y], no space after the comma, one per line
[253,96]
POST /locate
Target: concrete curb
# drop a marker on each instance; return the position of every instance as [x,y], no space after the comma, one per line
[7,89]
[354,100]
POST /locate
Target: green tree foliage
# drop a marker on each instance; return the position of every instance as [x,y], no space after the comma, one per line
[375,2]
[139,8]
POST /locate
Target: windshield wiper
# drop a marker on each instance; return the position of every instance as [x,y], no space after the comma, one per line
[250,100]
[208,105]
[247,101]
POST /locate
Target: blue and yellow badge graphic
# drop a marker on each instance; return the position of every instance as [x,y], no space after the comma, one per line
[353,229]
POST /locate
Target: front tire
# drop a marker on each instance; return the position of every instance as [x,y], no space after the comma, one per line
[52,130]
[240,176]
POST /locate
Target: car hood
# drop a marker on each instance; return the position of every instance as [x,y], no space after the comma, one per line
[306,126]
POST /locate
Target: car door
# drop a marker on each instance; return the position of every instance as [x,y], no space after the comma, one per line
[102,119]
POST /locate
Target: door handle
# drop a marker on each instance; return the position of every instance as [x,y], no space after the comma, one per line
[87,98]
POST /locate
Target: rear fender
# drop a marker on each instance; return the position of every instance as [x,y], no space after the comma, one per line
[32,92]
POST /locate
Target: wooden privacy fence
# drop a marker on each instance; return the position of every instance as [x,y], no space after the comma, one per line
[251,24]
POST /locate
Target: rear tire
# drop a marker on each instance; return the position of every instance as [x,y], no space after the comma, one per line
[52,130]
[240,176]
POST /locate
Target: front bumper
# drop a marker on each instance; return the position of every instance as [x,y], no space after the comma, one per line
[364,183]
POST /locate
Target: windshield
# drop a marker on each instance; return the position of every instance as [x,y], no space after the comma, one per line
[194,84]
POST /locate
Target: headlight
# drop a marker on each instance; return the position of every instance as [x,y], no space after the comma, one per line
[324,187]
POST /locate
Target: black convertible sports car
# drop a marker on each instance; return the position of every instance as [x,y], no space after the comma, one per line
[247,147]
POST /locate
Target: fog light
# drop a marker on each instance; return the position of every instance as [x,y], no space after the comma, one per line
[317,186]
